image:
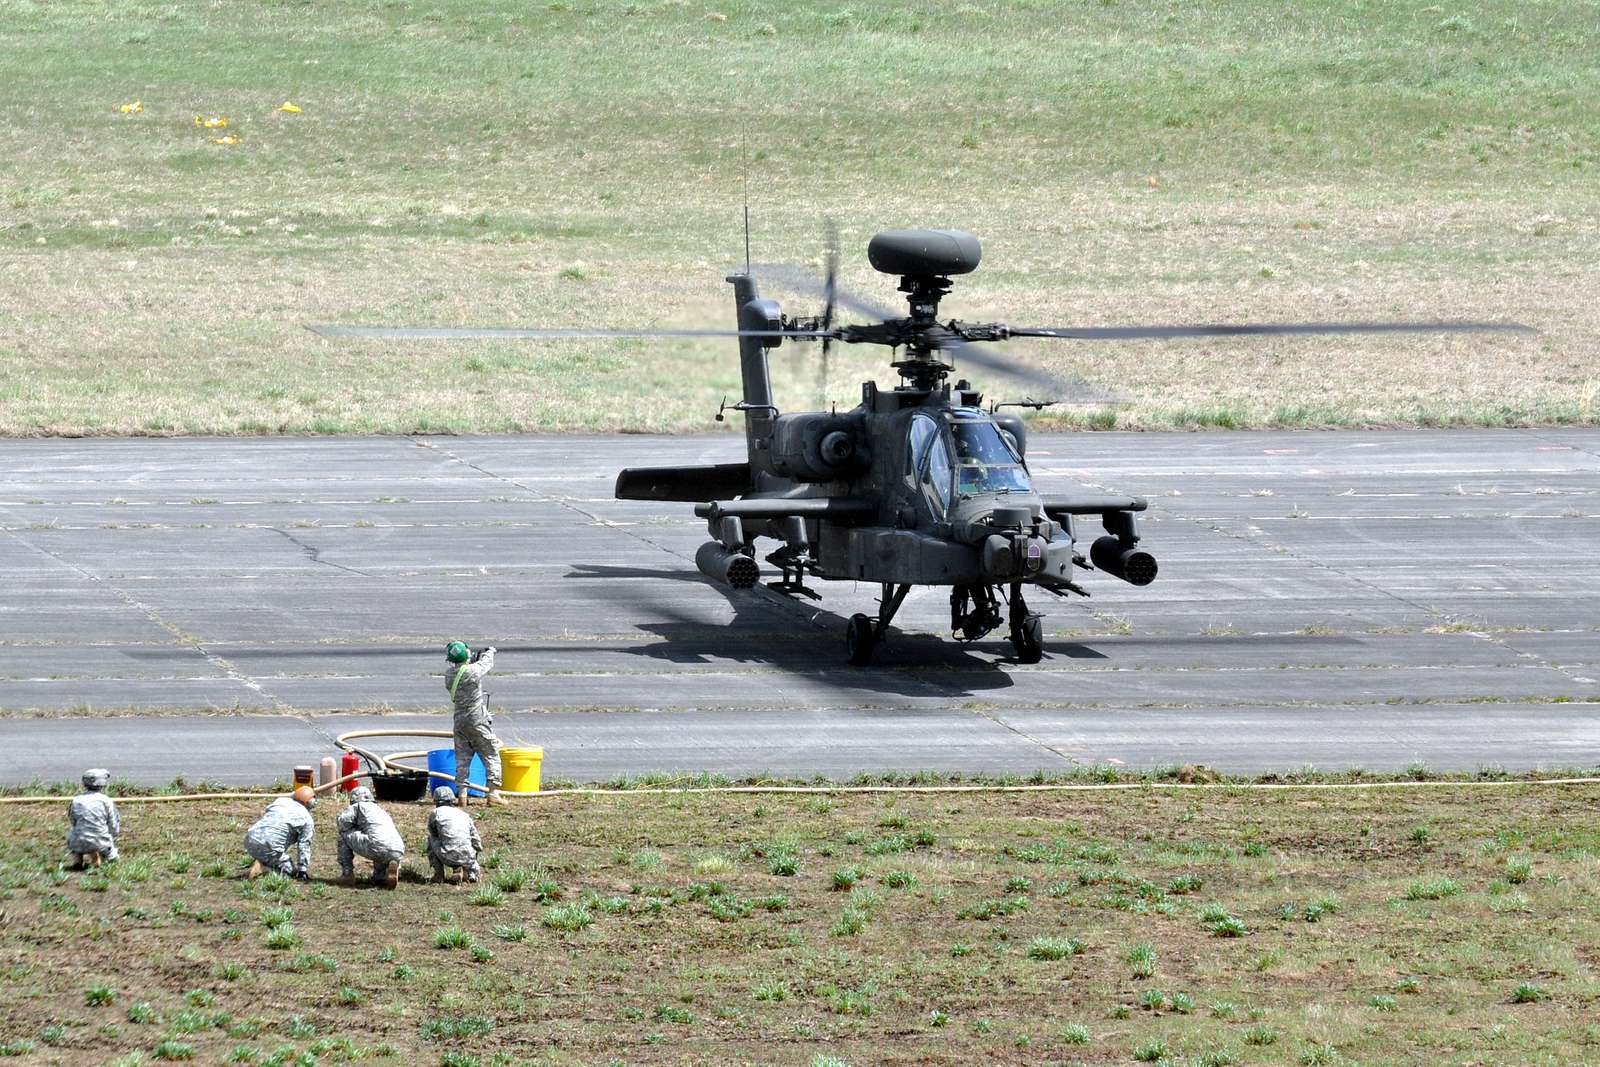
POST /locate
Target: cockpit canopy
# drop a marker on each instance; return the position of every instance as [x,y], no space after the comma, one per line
[987,460]
[968,456]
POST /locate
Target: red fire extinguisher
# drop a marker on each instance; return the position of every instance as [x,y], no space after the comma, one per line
[350,764]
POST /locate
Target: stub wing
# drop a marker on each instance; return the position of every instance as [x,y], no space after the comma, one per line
[1092,504]
[691,485]
[838,509]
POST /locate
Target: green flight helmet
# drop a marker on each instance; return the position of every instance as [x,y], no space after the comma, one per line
[457,652]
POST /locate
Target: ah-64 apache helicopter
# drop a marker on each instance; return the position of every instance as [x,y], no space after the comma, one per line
[916,485]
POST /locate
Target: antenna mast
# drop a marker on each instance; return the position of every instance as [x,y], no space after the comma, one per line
[744,145]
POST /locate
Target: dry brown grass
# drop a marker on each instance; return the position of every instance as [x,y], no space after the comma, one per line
[1122,163]
[171,340]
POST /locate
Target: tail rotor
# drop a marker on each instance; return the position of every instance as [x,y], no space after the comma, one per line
[830,294]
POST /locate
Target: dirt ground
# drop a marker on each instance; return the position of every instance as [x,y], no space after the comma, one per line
[1438,925]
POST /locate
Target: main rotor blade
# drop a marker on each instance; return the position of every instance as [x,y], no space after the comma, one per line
[1135,333]
[1062,390]
[517,333]
[802,280]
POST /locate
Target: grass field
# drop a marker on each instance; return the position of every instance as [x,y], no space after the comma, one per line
[1446,925]
[578,162]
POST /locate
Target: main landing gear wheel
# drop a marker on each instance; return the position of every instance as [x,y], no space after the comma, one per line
[859,639]
[1028,640]
[1027,636]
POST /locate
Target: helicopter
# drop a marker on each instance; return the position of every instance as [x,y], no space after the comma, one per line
[918,484]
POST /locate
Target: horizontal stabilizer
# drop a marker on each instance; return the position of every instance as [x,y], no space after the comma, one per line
[692,485]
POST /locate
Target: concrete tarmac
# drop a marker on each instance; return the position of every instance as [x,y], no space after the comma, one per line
[1337,599]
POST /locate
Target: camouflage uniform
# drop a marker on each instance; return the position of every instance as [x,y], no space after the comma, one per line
[285,823]
[366,830]
[95,825]
[473,725]
[453,840]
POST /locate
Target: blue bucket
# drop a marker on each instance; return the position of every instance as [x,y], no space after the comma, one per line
[443,761]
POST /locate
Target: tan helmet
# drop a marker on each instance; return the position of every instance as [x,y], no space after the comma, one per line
[305,795]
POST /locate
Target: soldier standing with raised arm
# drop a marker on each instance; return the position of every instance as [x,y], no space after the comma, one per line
[473,725]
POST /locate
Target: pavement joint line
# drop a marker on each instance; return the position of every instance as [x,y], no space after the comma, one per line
[315,554]
[1537,661]
[183,637]
[1530,431]
[984,713]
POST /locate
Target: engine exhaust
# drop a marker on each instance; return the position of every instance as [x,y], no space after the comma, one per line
[1129,562]
[720,564]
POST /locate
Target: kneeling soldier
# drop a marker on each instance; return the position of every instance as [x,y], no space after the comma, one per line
[366,830]
[287,822]
[95,825]
[453,839]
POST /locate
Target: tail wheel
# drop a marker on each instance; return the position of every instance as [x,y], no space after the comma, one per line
[859,640]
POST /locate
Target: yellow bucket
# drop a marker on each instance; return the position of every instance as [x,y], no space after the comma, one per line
[520,769]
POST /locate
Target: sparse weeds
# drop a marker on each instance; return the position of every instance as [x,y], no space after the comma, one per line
[1432,889]
[1054,948]
[511,879]
[487,896]
[1221,923]
[310,963]
[452,1029]
[568,918]
[282,937]
[1261,1035]
[995,907]
[451,937]
[772,991]
[715,865]
[1150,1051]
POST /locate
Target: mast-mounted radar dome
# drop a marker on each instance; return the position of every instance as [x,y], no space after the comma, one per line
[924,253]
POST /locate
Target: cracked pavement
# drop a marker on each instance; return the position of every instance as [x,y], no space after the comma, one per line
[1336,599]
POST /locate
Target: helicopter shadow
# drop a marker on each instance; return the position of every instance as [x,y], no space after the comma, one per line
[771,629]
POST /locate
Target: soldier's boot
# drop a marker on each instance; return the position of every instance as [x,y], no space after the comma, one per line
[347,874]
[391,874]
[78,862]
[470,874]
[496,800]
[256,870]
[95,860]
[438,871]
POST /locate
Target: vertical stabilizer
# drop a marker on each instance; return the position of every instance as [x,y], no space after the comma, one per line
[756,313]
